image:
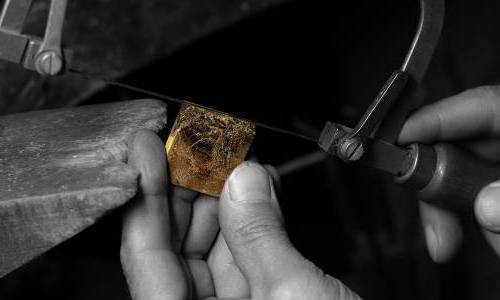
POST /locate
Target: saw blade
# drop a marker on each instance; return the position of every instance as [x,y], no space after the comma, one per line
[171,99]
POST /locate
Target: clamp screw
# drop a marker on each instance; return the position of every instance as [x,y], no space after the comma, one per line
[351,149]
[49,63]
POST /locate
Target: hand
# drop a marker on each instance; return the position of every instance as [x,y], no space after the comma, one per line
[472,118]
[172,247]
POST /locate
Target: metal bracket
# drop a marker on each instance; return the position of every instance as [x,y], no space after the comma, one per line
[352,145]
[385,117]
[34,53]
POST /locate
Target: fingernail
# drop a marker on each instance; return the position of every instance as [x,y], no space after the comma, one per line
[432,240]
[488,207]
[249,182]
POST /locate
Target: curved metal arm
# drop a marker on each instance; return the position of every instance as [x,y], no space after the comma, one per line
[415,65]
[385,110]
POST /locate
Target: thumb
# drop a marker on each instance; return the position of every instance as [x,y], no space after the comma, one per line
[469,114]
[253,228]
[251,223]
[487,207]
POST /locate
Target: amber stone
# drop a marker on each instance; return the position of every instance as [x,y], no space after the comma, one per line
[204,147]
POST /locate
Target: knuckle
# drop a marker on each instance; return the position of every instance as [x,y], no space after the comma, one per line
[298,286]
[257,230]
[284,292]
[295,286]
[485,92]
[339,290]
[488,99]
[490,95]
[311,286]
[492,90]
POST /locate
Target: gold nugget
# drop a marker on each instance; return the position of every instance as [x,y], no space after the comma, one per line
[205,146]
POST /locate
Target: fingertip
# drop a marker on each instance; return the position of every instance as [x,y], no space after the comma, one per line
[147,155]
[442,244]
[150,263]
[407,132]
[144,142]
[433,244]
[146,219]
[443,233]
[420,127]
[248,185]
[248,168]
[248,182]
[487,207]
[493,239]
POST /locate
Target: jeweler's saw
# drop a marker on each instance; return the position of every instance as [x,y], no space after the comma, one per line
[442,173]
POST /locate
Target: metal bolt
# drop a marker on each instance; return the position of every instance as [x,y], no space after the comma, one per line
[49,63]
[351,149]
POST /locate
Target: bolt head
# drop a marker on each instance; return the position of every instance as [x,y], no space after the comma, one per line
[49,63]
[351,149]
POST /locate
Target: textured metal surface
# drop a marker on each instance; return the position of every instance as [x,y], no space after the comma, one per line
[204,147]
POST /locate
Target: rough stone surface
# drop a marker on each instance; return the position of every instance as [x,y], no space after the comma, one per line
[61,170]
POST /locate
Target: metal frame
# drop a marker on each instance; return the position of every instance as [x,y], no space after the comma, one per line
[45,54]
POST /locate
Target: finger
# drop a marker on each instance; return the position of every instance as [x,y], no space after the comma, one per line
[201,235]
[181,201]
[488,149]
[254,231]
[150,266]
[228,280]
[471,113]
[203,228]
[442,231]
[487,207]
[494,240]
[201,278]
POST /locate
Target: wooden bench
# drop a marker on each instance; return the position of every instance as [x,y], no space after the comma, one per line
[61,170]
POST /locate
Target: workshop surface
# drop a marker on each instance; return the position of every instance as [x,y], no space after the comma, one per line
[61,170]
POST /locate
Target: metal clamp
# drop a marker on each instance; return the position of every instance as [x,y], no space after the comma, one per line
[34,53]
[385,116]
[352,145]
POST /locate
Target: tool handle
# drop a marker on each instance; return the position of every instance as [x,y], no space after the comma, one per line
[448,176]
